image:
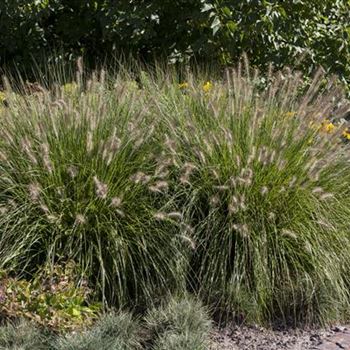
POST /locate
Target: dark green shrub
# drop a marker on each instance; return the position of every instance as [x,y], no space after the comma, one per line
[280,32]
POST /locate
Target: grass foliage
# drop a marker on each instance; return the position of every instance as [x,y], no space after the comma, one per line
[22,336]
[181,323]
[264,183]
[112,332]
[72,188]
[176,324]
[236,192]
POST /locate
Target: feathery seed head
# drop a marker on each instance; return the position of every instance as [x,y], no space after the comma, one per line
[116,202]
[72,171]
[101,188]
[247,173]
[264,190]
[242,202]
[160,216]
[80,65]
[272,156]
[3,157]
[175,215]
[189,167]
[187,228]
[201,156]
[139,142]
[292,181]
[238,161]
[317,190]
[162,185]
[244,181]
[252,155]
[185,180]
[272,216]
[170,144]
[46,157]
[325,196]
[281,164]
[189,241]
[140,177]
[12,203]
[232,208]
[289,233]
[159,187]
[34,192]
[80,219]
[52,218]
[44,208]
[208,146]
[3,210]
[282,189]
[215,174]
[233,181]
[120,213]
[89,143]
[27,148]
[214,200]
[162,175]
[325,224]
[222,187]
[242,229]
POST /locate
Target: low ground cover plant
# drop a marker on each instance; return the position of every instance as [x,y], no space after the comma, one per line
[23,335]
[54,298]
[180,323]
[233,191]
[175,324]
[117,331]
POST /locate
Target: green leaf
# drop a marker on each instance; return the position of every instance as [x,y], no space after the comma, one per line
[226,11]
[231,26]
[207,7]
[75,312]
[216,25]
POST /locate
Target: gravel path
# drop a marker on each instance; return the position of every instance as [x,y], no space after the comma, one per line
[256,338]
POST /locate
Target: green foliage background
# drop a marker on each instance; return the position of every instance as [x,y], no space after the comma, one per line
[275,31]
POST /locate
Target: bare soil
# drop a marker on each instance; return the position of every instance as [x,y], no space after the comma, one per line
[257,338]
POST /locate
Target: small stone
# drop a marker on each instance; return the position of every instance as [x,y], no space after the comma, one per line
[338,329]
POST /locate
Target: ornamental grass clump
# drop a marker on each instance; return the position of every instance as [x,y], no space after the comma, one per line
[23,335]
[117,331]
[266,194]
[234,188]
[181,322]
[74,165]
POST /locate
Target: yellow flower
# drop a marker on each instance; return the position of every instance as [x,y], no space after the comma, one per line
[327,127]
[183,85]
[2,97]
[132,85]
[70,88]
[315,126]
[290,114]
[207,86]
[346,134]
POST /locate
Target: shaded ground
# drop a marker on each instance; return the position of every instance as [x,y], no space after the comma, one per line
[256,338]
